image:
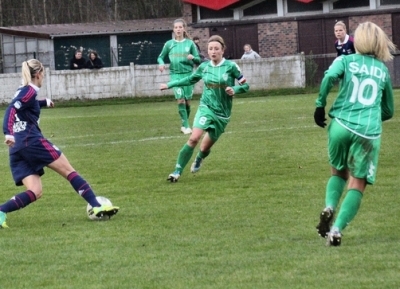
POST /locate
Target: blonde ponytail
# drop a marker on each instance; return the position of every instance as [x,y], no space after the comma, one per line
[29,70]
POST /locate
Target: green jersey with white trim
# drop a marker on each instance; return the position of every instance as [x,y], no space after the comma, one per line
[216,79]
[177,52]
[365,97]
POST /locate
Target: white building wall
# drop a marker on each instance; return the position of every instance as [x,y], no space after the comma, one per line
[145,80]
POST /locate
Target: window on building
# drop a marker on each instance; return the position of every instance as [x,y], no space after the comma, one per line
[262,8]
[343,4]
[295,6]
[395,29]
[206,13]
[390,2]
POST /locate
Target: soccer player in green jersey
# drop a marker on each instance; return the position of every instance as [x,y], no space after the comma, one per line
[365,99]
[183,55]
[215,106]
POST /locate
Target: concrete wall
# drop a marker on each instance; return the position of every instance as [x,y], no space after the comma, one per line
[145,80]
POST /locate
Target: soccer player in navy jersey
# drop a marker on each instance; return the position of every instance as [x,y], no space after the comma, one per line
[30,151]
[183,55]
[364,101]
[214,112]
[345,43]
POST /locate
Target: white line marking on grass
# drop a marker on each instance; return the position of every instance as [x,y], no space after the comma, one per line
[182,136]
[129,141]
[3,149]
[149,139]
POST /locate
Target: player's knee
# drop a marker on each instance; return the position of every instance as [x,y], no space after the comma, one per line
[344,174]
[37,192]
[193,141]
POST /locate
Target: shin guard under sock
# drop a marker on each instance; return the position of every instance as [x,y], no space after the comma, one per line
[83,189]
[18,202]
[184,156]
[334,191]
[183,114]
[348,209]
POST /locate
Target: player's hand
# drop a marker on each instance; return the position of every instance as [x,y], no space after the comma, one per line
[163,86]
[229,90]
[161,68]
[10,141]
[319,116]
[49,103]
[190,57]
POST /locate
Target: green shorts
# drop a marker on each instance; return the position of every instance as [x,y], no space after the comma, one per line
[347,150]
[180,92]
[206,120]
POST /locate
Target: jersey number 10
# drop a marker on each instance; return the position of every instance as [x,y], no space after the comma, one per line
[360,89]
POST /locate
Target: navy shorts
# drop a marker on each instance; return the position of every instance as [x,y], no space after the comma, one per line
[32,159]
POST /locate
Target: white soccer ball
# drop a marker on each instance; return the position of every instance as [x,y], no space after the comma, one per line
[89,209]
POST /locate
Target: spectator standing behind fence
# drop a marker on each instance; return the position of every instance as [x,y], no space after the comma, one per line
[249,53]
[94,61]
[78,61]
[183,55]
[196,41]
[345,43]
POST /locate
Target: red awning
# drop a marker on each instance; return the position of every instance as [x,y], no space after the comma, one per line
[212,4]
[305,1]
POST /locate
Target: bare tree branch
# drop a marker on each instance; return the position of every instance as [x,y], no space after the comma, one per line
[34,12]
[45,12]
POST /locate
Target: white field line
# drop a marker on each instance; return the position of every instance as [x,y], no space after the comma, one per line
[149,139]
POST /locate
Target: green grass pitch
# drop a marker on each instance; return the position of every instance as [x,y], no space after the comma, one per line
[245,220]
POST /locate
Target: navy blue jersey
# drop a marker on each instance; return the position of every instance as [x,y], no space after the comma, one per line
[21,118]
[346,47]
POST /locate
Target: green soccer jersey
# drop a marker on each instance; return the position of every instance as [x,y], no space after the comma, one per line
[216,79]
[177,52]
[365,97]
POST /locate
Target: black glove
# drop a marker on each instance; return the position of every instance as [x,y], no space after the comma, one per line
[319,116]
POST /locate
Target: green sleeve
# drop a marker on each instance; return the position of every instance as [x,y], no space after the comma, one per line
[163,54]
[241,88]
[387,103]
[335,71]
[237,73]
[189,80]
[195,53]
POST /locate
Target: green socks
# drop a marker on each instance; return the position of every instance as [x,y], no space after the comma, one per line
[188,111]
[334,190]
[203,155]
[348,209]
[183,114]
[184,156]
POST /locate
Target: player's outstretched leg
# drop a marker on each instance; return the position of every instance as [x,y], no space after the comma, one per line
[325,222]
